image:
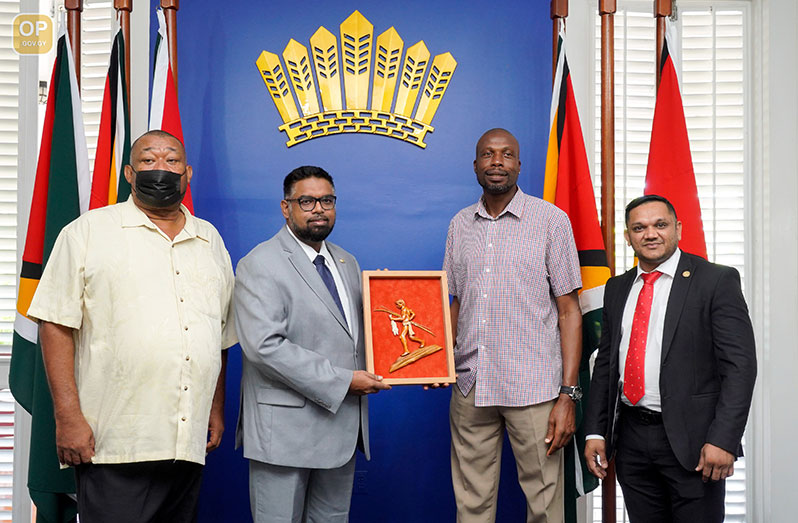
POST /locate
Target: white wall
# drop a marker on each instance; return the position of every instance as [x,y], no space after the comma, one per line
[774,425]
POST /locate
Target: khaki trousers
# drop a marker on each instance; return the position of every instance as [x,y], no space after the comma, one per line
[477,437]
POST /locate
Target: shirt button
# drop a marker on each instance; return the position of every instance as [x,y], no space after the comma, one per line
[177,272]
[490,245]
[181,300]
[185,387]
[185,328]
[183,418]
[188,358]
[487,269]
[484,321]
[484,295]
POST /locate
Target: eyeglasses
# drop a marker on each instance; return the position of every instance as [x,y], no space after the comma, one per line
[308,203]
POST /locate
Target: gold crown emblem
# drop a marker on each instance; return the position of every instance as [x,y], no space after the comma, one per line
[357,34]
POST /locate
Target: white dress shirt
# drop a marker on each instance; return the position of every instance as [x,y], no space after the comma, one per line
[330,263]
[656,325]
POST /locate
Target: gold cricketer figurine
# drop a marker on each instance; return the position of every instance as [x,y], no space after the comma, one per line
[406,317]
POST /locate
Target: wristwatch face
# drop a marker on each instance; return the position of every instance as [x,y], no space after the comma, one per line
[575,393]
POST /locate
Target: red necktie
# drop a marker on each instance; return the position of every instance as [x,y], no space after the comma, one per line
[634,377]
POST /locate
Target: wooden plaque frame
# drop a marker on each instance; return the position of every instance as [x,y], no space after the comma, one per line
[427,294]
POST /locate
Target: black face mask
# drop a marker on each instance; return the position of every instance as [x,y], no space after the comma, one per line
[158,188]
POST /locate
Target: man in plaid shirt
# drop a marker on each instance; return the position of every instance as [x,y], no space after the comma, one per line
[513,273]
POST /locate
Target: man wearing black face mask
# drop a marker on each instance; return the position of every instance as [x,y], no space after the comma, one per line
[134,308]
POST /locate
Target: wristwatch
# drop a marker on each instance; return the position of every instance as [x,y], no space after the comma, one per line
[575,393]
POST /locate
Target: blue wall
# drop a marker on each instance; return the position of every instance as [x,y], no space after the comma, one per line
[395,199]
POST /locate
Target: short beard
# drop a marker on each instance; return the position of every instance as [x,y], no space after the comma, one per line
[496,189]
[311,234]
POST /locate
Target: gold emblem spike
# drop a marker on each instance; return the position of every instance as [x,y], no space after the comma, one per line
[354,59]
[298,65]
[686,274]
[438,80]
[389,52]
[356,38]
[325,58]
[412,75]
[272,73]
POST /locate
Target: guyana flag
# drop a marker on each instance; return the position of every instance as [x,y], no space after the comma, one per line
[670,164]
[109,185]
[60,194]
[568,185]
[164,111]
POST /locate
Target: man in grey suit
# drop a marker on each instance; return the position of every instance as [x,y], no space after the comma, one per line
[303,410]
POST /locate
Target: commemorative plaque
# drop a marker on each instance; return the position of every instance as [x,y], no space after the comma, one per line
[408,327]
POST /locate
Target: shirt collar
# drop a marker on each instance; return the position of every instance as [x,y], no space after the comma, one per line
[309,251]
[667,267]
[132,216]
[515,207]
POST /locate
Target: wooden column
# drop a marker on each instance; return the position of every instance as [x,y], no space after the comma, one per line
[170,8]
[123,9]
[559,12]
[74,8]
[662,9]
[607,10]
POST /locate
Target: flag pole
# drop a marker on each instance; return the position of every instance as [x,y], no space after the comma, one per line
[74,8]
[662,9]
[123,9]
[559,12]
[170,8]
[607,10]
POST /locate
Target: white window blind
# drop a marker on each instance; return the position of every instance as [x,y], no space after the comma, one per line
[7,406]
[97,22]
[9,101]
[712,69]
[97,33]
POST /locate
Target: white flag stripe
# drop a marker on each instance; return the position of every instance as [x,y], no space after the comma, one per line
[81,150]
[159,76]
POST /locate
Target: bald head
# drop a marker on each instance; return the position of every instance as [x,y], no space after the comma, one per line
[146,140]
[497,132]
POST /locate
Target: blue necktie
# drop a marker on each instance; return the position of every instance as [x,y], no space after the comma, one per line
[327,278]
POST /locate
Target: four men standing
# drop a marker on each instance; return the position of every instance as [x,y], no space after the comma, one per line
[135,309]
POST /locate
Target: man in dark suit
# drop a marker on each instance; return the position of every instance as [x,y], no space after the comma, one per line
[674,376]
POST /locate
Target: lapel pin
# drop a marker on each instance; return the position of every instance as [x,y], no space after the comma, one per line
[341,260]
[686,274]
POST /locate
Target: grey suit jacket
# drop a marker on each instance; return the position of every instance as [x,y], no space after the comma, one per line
[299,355]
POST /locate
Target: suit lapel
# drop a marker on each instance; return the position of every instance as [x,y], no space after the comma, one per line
[619,304]
[308,272]
[676,301]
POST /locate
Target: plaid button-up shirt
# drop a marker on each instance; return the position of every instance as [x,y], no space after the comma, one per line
[506,272]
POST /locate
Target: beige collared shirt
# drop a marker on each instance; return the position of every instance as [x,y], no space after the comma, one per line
[151,316]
